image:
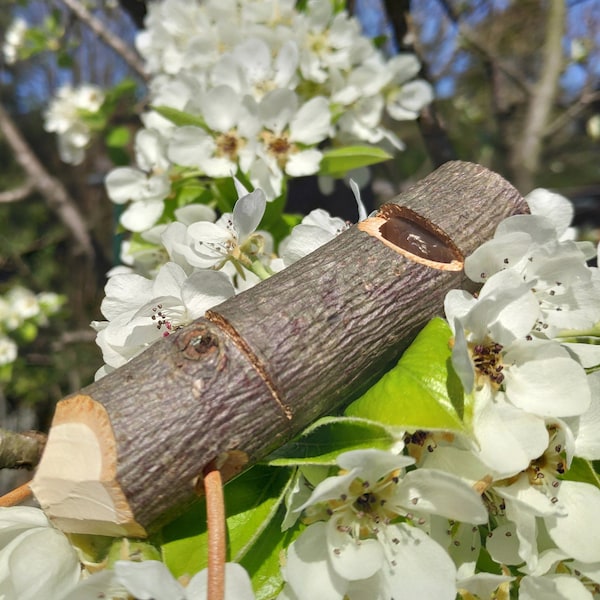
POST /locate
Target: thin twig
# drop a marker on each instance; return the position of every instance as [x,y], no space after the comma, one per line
[80,336]
[215,517]
[16,194]
[111,40]
[49,187]
[479,45]
[16,496]
[568,115]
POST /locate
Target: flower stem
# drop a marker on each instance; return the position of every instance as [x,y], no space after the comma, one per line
[16,496]
[260,270]
[215,517]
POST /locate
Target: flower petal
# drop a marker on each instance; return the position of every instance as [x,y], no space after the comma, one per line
[247,214]
[308,570]
[148,580]
[43,565]
[352,559]
[237,584]
[553,587]
[414,553]
[432,491]
[542,378]
[578,532]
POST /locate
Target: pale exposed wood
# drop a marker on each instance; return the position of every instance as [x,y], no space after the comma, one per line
[87,470]
[261,366]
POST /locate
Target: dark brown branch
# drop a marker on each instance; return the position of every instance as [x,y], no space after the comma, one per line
[124,455]
[49,187]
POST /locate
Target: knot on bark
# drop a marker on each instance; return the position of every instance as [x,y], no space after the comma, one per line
[198,342]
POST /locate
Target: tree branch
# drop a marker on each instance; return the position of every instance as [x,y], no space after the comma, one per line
[20,450]
[479,45]
[16,194]
[527,151]
[435,135]
[571,112]
[112,41]
[49,187]
[123,454]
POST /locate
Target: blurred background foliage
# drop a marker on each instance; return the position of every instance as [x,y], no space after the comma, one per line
[489,61]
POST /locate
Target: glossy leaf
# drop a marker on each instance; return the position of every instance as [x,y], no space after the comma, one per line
[582,470]
[178,117]
[339,161]
[422,391]
[251,503]
[324,440]
[118,137]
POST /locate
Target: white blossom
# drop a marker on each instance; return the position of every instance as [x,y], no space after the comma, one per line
[359,547]
[207,245]
[65,116]
[260,81]
[229,140]
[151,580]
[14,37]
[530,501]
[144,188]
[317,228]
[37,560]
[8,350]
[140,311]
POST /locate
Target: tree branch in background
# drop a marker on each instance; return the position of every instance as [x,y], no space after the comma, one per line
[16,194]
[435,136]
[113,41]
[479,46]
[49,187]
[569,114]
[528,149]
[20,450]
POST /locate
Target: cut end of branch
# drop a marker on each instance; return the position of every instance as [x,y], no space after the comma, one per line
[414,237]
[75,482]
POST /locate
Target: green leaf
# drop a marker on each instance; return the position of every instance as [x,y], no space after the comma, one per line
[338,161]
[264,562]
[422,391]
[179,117]
[251,501]
[125,87]
[225,193]
[582,470]
[252,505]
[118,137]
[324,440]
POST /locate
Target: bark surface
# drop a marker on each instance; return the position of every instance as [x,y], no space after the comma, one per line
[123,456]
